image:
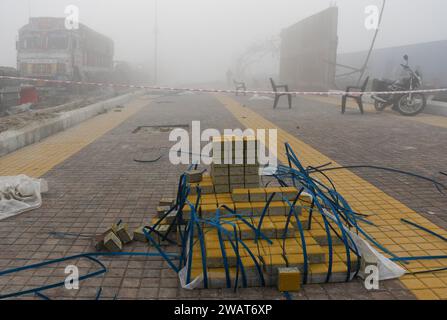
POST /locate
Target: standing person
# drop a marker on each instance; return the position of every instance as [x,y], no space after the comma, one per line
[229,78]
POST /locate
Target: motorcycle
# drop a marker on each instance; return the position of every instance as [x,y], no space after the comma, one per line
[407,104]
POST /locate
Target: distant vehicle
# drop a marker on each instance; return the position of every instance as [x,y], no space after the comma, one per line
[47,50]
[408,104]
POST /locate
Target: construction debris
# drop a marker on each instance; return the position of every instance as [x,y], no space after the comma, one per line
[194,176]
[112,243]
[122,231]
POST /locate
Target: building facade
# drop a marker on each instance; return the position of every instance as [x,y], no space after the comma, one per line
[47,50]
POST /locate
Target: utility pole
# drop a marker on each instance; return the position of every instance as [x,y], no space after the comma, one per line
[363,70]
[156,43]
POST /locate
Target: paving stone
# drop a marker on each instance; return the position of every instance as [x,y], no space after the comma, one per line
[101,184]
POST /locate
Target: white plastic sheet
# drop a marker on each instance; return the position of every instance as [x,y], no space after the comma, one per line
[19,194]
[387,269]
[194,283]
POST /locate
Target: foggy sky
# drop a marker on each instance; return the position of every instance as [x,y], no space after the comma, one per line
[199,39]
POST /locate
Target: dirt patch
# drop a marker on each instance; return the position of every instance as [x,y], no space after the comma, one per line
[17,121]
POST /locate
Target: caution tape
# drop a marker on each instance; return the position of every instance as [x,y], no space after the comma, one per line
[203,90]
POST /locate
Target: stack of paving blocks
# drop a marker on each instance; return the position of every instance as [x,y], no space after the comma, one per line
[272,258]
[237,187]
[114,238]
[162,228]
[235,163]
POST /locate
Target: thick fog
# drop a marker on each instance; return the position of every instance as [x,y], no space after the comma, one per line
[200,39]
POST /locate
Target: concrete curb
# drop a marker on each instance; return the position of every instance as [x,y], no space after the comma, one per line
[13,140]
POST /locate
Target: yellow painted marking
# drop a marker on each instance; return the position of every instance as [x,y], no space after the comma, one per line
[37,159]
[433,120]
[386,212]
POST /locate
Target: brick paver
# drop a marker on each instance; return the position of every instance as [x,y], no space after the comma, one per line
[101,184]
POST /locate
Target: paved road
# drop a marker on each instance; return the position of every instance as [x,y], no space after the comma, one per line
[97,182]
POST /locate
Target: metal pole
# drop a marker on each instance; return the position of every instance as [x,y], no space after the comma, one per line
[372,43]
[156,43]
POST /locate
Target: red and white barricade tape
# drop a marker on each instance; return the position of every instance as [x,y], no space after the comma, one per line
[262,92]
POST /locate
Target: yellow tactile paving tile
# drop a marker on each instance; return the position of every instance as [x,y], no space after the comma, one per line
[437,121]
[384,210]
[37,159]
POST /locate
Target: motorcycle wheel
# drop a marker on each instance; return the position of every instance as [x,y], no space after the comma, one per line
[379,106]
[411,107]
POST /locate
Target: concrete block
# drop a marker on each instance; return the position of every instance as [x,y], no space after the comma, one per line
[240,195]
[170,218]
[339,272]
[220,170]
[258,208]
[222,188]
[166,202]
[295,260]
[243,208]
[246,232]
[207,187]
[251,179]
[236,170]
[268,229]
[281,228]
[290,193]
[252,185]
[112,243]
[315,254]
[317,273]
[123,233]
[214,257]
[237,180]
[272,263]
[138,235]
[257,195]
[221,180]
[208,210]
[217,278]
[194,176]
[161,211]
[277,208]
[99,241]
[236,186]
[276,191]
[289,280]
[186,212]
[251,169]
[181,229]
[162,230]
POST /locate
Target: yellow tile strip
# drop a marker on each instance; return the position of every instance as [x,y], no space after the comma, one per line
[385,211]
[37,159]
[433,120]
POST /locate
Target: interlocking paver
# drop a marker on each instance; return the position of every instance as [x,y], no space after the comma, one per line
[98,185]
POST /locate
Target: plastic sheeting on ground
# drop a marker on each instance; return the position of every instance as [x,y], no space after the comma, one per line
[19,194]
